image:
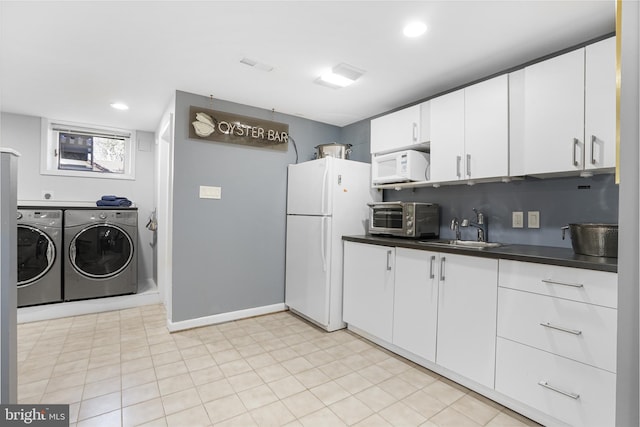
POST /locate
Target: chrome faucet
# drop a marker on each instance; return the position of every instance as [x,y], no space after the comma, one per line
[479,223]
[455,226]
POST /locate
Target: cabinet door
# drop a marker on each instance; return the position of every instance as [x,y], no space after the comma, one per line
[486,134]
[575,393]
[554,114]
[368,288]
[600,104]
[467,306]
[425,122]
[396,131]
[415,314]
[578,331]
[447,137]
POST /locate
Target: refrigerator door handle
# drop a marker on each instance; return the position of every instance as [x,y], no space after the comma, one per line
[324,187]
[322,244]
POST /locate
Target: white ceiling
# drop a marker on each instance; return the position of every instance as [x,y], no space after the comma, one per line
[69,60]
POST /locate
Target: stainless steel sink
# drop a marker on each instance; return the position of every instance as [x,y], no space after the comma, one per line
[465,243]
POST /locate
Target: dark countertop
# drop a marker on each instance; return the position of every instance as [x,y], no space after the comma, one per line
[564,257]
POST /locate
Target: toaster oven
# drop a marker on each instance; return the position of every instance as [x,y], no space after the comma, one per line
[405,219]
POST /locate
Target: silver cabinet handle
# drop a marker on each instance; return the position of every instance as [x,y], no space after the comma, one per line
[431,275]
[560,328]
[442,260]
[593,150]
[576,143]
[458,160]
[553,282]
[546,384]
[415,132]
[469,165]
[388,260]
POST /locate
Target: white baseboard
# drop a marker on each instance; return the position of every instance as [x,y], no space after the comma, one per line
[148,296]
[224,317]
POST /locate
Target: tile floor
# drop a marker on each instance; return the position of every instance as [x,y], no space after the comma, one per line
[123,368]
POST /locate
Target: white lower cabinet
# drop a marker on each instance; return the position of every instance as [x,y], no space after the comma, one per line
[415,308]
[467,299]
[572,392]
[440,307]
[540,335]
[368,286]
[582,332]
[576,284]
[556,351]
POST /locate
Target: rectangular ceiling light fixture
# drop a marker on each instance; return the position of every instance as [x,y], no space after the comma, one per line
[342,75]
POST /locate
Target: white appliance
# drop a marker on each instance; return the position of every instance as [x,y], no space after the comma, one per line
[326,199]
[401,166]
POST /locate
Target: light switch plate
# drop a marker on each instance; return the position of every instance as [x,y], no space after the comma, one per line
[533,219]
[517,219]
[207,192]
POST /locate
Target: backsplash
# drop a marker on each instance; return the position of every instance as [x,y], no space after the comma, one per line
[560,201]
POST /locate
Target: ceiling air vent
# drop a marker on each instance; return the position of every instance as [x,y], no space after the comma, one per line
[255,64]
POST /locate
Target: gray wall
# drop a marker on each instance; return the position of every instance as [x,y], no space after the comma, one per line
[359,135]
[229,254]
[560,201]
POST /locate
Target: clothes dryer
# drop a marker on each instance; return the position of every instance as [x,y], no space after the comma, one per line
[99,253]
[39,256]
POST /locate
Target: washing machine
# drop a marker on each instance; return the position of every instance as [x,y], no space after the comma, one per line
[99,253]
[39,256]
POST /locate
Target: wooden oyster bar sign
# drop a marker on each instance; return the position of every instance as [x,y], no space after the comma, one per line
[219,126]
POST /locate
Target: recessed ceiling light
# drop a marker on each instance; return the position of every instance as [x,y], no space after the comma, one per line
[119,106]
[414,29]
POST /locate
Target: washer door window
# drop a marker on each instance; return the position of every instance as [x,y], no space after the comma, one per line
[101,251]
[36,254]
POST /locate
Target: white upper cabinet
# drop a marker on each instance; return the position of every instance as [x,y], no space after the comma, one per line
[404,129]
[486,122]
[554,114]
[470,132]
[569,104]
[447,137]
[600,104]
[555,117]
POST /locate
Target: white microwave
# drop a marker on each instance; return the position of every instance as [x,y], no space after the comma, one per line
[401,166]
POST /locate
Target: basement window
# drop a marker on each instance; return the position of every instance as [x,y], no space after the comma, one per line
[72,149]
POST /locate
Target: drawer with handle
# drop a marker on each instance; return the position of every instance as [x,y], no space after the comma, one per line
[579,331]
[570,391]
[577,284]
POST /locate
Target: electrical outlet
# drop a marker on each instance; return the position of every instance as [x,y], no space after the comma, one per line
[207,192]
[517,219]
[533,219]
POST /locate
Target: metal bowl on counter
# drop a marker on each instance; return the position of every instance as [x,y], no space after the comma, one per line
[593,239]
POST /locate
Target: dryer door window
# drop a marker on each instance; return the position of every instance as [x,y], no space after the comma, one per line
[101,251]
[36,254]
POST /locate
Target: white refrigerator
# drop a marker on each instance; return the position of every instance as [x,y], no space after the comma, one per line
[326,199]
